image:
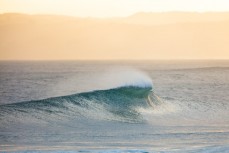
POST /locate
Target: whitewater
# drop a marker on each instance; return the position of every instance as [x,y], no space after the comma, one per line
[118,106]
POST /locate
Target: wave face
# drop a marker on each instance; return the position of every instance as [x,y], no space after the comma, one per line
[120,104]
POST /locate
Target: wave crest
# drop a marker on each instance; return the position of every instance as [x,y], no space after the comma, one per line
[113,104]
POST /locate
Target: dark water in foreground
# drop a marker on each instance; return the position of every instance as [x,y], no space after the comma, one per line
[123,106]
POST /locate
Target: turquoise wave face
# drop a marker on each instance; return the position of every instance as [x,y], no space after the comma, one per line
[114,104]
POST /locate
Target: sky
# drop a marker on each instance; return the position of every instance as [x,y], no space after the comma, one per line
[169,36]
[109,8]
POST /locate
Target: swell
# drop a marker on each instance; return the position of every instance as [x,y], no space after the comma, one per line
[113,104]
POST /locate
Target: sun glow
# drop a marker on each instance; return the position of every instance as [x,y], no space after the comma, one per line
[109,8]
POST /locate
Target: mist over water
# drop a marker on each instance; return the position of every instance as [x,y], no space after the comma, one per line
[124,106]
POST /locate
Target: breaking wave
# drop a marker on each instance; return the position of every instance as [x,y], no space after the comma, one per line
[120,104]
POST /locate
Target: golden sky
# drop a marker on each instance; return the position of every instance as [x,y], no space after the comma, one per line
[167,35]
[109,8]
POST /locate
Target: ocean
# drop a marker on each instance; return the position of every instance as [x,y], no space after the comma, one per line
[114,106]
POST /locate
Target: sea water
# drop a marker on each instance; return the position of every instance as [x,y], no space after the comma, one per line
[114,106]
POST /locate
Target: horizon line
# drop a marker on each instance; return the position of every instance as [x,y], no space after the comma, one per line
[197,59]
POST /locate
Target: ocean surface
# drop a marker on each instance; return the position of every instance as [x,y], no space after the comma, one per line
[114,106]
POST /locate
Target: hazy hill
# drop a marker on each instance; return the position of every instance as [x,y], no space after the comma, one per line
[174,17]
[141,36]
